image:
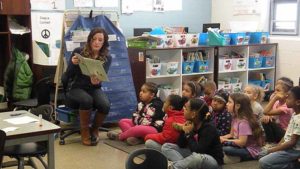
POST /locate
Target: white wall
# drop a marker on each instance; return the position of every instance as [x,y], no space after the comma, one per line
[288,58]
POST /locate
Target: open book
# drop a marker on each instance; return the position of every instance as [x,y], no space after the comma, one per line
[91,67]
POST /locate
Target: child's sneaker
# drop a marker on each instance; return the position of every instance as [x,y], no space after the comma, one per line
[113,135]
[170,165]
[134,141]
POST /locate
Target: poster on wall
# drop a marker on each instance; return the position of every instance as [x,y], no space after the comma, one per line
[158,6]
[106,3]
[47,5]
[246,7]
[46,37]
[130,6]
[83,3]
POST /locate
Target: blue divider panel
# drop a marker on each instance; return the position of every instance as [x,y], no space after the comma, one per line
[120,89]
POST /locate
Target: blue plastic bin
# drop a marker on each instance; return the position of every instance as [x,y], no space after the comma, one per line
[255,82]
[203,38]
[66,114]
[201,66]
[247,38]
[267,61]
[259,37]
[237,38]
[255,62]
[187,67]
[227,38]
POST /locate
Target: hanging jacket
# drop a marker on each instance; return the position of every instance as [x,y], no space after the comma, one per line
[18,77]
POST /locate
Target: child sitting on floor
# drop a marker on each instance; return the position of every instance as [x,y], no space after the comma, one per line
[210,89]
[277,114]
[148,118]
[191,89]
[174,114]
[199,142]
[245,137]
[286,154]
[220,116]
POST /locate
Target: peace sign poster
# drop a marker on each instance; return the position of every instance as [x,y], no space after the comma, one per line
[46,37]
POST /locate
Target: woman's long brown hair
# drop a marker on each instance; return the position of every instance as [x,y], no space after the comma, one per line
[245,112]
[87,50]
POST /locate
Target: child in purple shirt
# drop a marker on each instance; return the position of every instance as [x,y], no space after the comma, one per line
[245,137]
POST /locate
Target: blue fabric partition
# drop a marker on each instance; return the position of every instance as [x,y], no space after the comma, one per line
[120,89]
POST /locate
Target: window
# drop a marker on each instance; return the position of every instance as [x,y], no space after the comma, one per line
[284,17]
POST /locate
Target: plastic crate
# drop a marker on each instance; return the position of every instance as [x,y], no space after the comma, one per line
[66,114]
[142,44]
[255,82]
[203,38]
[237,38]
[201,66]
[255,62]
[225,64]
[187,67]
[259,37]
[239,64]
[267,61]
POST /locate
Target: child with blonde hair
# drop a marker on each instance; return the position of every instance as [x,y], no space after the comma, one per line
[210,88]
[256,95]
[277,114]
[245,137]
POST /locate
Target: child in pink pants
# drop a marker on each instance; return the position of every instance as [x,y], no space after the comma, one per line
[148,118]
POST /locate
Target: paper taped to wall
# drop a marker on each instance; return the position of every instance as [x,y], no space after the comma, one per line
[91,67]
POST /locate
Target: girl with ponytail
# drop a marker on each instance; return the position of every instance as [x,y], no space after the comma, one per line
[198,145]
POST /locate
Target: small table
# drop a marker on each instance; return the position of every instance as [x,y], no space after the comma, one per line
[30,132]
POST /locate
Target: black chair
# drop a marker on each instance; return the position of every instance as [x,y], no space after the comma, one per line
[29,150]
[2,143]
[73,109]
[153,159]
[40,95]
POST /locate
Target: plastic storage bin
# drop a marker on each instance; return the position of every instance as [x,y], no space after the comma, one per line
[172,68]
[227,38]
[161,42]
[215,39]
[247,38]
[201,66]
[267,61]
[259,37]
[169,41]
[180,40]
[225,64]
[187,67]
[255,82]
[255,62]
[237,38]
[203,38]
[154,69]
[192,40]
[66,114]
[239,64]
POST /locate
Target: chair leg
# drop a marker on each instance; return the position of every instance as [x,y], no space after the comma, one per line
[42,161]
[31,163]
[20,162]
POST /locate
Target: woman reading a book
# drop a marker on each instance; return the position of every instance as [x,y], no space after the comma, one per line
[85,91]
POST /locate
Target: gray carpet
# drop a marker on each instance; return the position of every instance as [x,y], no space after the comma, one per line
[242,165]
[123,146]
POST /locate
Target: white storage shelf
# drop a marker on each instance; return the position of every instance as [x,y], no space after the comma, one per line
[245,75]
[175,55]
